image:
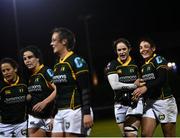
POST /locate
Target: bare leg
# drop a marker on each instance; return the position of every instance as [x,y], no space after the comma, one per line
[148,126]
[36,132]
[169,129]
[121,126]
[131,126]
[58,134]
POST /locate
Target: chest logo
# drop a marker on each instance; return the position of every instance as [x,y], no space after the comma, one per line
[119,71]
[7,92]
[131,70]
[62,68]
[37,80]
[148,68]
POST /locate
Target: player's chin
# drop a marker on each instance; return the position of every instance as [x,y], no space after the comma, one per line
[123,58]
[55,50]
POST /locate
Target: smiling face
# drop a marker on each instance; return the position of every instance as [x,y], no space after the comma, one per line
[8,72]
[122,51]
[30,61]
[58,45]
[146,50]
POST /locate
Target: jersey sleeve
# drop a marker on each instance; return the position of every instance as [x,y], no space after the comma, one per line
[110,68]
[80,65]
[49,74]
[81,70]
[160,62]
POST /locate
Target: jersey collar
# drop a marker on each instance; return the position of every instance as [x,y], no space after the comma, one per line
[38,69]
[66,56]
[127,61]
[13,84]
[147,62]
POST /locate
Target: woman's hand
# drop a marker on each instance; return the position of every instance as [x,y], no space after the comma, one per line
[88,121]
[139,91]
[39,106]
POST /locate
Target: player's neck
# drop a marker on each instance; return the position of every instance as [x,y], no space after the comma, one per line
[63,54]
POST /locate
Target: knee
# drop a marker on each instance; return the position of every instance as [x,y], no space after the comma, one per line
[131,131]
[146,134]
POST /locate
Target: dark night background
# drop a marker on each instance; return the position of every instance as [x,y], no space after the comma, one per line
[96,24]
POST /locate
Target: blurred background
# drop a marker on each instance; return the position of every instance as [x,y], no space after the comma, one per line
[96,24]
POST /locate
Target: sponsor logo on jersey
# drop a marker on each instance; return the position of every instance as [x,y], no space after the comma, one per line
[79,62]
[128,78]
[159,59]
[34,88]
[50,72]
[60,78]
[11,100]
[149,76]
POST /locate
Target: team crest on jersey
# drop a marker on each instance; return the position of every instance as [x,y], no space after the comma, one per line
[161,117]
[67,125]
[119,71]
[7,92]
[148,68]
[50,72]
[131,70]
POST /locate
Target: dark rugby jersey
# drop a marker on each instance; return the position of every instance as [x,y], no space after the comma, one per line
[39,89]
[69,94]
[13,101]
[150,73]
[127,72]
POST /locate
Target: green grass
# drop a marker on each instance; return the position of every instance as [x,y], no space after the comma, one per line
[108,128]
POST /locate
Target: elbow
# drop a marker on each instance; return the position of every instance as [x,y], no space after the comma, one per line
[114,87]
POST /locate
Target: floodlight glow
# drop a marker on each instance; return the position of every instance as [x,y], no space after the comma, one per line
[172,66]
[169,64]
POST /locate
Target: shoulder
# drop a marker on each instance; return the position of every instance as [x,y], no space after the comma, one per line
[2,84]
[47,71]
[159,61]
[111,66]
[22,80]
[77,61]
[111,63]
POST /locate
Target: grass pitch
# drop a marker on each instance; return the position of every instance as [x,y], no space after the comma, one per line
[108,128]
